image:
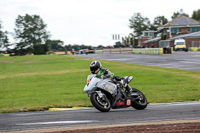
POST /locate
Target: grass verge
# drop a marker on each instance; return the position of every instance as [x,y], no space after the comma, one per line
[32,83]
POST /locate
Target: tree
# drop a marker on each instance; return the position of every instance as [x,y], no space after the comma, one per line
[99,47]
[31,34]
[77,47]
[158,21]
[196,15]
[118,44]
[139,24]
[4,41]
[55,45]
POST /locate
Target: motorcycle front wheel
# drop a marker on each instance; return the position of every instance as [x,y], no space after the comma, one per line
[102,104]
[140,101]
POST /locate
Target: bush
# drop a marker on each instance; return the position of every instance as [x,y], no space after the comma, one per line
[50,52]
[163,37]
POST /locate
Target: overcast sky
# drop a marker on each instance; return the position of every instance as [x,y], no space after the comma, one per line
[90,22]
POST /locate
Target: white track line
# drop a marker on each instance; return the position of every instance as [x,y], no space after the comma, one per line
[56,122]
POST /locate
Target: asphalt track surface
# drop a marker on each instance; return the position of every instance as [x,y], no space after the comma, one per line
[178,60]
[90,117]
[188,111]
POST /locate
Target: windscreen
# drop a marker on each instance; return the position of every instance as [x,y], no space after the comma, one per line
[180,43]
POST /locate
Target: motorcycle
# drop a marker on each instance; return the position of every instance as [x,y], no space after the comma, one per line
[106,93]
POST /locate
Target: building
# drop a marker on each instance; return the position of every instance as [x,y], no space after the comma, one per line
[181,27]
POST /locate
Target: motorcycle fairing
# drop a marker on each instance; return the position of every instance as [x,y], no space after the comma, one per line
[91,84]
[108,86]
[94,83]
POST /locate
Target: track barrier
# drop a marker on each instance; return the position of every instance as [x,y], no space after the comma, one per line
[194,49]
[138,50]
[148,50]
[4,55]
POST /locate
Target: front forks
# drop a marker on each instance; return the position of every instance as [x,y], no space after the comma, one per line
[101,95]
[128,88]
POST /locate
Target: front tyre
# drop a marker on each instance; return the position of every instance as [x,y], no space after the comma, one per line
[102,104]
[140,101]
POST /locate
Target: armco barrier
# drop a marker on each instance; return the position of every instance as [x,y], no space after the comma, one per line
[147,50]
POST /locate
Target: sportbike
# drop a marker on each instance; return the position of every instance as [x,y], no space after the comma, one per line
[109,93]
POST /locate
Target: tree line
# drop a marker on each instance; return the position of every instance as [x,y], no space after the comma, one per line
[31,35]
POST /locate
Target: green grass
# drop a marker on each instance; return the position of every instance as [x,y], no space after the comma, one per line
[29,83]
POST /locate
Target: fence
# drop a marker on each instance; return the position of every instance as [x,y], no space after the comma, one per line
[98,51]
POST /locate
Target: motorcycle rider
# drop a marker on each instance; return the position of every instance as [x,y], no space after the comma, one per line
[96,68]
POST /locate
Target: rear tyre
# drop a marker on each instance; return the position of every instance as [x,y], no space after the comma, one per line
[141,101]
[102,104]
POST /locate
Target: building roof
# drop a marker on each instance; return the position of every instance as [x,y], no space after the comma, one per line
[152,40]
[182,21]
[190,35]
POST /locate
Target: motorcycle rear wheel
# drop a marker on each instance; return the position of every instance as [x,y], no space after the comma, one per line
[141,102]
[103,105]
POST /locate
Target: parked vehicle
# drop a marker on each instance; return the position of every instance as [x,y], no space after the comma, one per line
[180,45]
[108,93]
